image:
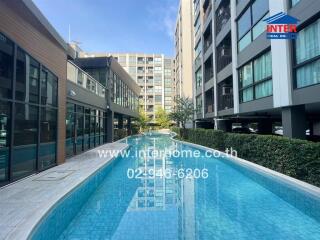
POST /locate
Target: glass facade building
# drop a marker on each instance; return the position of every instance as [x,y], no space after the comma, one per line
[28,113]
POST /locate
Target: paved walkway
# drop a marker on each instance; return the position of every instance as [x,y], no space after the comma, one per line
[22,204]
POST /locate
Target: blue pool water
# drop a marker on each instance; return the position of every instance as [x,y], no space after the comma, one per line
[233,202]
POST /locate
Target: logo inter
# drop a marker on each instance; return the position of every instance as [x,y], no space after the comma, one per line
[281,26]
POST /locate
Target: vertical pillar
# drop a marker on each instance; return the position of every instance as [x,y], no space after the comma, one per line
[110,127]
[294,122]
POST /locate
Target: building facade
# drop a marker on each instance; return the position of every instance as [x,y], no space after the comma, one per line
[154,73]
[39,96]
[184,45]
[241,77]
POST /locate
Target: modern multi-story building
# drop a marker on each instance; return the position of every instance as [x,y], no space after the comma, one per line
[184,49]
[39,87]
[242,77]
[154,73]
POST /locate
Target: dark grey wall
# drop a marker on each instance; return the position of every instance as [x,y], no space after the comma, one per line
[257,105]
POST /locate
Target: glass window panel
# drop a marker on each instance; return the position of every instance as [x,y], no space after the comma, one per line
[247,94]
[48,137]
[49,88]
[294,2]
[259,8]
[244,23]
[258,29]
[25,140]
[308,74]
[4,139]
[307,43]
[262,67]
[263,89]
[244,42]
[6,67]
[246,76]
[80,130]
[70,130]
[27,83]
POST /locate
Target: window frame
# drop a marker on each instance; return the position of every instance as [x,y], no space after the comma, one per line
[254,83]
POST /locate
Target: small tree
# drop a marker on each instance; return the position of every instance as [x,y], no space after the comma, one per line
[162,118]
[142,120]
[183,111]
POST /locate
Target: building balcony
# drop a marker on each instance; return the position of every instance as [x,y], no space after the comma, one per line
[207,8]
[222,16]
[81,78]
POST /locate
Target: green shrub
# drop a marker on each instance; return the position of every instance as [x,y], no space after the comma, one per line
[296,158]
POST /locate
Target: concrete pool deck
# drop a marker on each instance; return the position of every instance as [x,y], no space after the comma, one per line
[24,203]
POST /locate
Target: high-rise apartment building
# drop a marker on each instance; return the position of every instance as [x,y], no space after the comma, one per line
[153,73]
[242,77]
[184,49]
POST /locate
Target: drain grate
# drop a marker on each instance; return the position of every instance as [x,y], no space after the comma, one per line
[55,175]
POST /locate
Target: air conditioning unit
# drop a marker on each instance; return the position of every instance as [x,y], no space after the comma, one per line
[226,90]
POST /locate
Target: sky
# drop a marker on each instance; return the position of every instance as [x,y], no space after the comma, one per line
[134,26]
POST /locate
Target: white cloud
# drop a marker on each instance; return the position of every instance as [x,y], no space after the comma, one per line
[163,16]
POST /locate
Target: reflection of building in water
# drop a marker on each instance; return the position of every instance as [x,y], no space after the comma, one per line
[162,208]
[156,192]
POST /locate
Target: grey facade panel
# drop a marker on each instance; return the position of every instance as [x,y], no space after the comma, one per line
[257,105]
[226,112]
[224,73]
[118,109]
[256,47]
[306,95]
[305,9]
[84,96]
[208,85]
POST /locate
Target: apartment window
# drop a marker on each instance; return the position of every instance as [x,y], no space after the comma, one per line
[307,56]
[132,59]
[25,140]
[294,2]
[199,104]
[27,88]
[255,79]
[197,26]
[132,70]
[198,78]
[122,59]
[49,88]
[157,69]
[158,98]
[158,60]
[251,24]
[6,67]
[197,52]
[158,89]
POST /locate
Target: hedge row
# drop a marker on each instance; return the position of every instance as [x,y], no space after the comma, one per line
[296,158]
[119,134]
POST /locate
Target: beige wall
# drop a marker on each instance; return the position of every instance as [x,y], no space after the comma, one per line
[184,49]
[18,24]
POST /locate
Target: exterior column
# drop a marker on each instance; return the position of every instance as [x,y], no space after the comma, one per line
[110,127]
[294,122]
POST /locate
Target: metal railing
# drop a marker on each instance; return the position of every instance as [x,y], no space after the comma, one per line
[80,77]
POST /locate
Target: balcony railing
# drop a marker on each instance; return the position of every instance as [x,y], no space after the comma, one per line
[225,102]
[223,16]
[208,74]
[80,77]
[224,57]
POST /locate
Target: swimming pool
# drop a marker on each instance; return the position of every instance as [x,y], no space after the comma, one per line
[221,199]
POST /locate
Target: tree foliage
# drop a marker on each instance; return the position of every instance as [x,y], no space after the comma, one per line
[162,118]
[142,120]
[183,111]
